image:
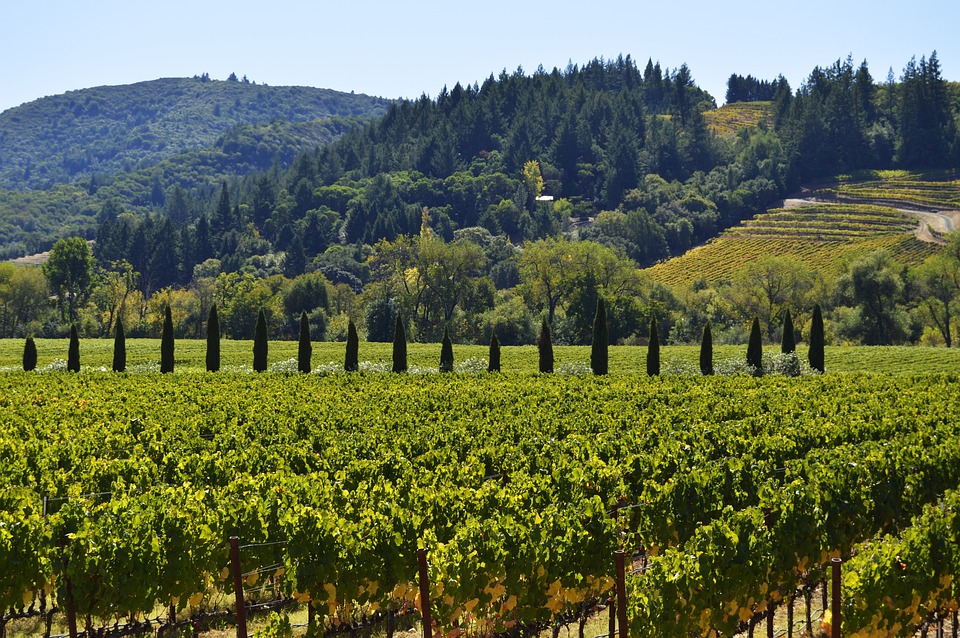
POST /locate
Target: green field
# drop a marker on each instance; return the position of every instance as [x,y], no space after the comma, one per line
[237,356]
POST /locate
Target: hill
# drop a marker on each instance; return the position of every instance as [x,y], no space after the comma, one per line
[103,130]
[822,235]
[32,220]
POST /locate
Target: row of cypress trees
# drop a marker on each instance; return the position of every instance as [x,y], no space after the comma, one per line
[599,359]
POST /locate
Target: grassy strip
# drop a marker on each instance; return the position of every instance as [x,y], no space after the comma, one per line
[624,360]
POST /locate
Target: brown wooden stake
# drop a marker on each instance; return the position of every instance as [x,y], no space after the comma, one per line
[71,608]
[790,618]
[424,593]
[620,559]
[835,605]
[238,586]
[612,624]
[956,617]
[770,622]
[807,595]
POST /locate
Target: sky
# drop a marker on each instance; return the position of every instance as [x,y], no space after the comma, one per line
[394,49]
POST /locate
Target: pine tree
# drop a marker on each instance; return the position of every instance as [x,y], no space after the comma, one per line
[304,347]
[399,346]
[788,343]
[599,358]
[73,352]
[166,342]
[545,348]
[213,340]
[260,343]
[755,348]
[119,348]
[29,355]
[351,361]
[446,352]
[493,364]
[653,350]
[815,353]
[706,351]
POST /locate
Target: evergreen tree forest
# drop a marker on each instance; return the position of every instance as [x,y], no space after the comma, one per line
[492,206]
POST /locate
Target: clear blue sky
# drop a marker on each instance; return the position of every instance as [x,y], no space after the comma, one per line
[395,49]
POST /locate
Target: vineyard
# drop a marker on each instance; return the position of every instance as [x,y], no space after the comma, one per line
[935,190]
[819,236]
[730,118]
[731,494]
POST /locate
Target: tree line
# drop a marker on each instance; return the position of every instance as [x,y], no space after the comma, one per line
[479,284]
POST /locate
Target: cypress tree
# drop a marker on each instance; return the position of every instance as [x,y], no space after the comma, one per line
[446,352]
[599,357]
[755,348]
[304,347]
[706,351]
[29,355]
[399,346]
[653,350]
[166,342]
[260,343]
[213,340]
[73,352]
[815,353]
[351,361]
[545,348]
[119,348]
[787,342]
[493,364]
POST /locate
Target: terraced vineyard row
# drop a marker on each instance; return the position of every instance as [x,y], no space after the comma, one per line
[818,236]
[734,490]
[935,190]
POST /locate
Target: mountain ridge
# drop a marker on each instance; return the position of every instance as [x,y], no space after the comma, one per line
[100,130]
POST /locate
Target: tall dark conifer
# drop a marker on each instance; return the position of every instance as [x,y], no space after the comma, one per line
[166,342]
[788,341]
[815,353]
[29,355]
[493,364]
[351,360]
[653,350]
[755,348]
[706,351]
[446,352]
[304,347]
[213,340]
[119,348]
[73,352]
[599,357]
[545,348]
[399,346]
[260,343]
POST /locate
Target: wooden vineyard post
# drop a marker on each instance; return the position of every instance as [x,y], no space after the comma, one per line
[238,586]
[612,623]
[790,617]
[424,593]
[619,559]
[835,604]
[770,613]
[71,608]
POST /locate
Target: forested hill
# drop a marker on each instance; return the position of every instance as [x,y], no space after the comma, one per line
[102,130]
[623,146]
